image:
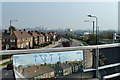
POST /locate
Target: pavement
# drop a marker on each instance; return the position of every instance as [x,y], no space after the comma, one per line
[4,60]
[52,45]
[7,74]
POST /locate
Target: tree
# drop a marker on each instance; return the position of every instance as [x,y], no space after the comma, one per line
[13,28]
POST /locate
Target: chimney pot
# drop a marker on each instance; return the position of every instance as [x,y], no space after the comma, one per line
[5,31]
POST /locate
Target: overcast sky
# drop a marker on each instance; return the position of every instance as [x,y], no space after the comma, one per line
[60,14]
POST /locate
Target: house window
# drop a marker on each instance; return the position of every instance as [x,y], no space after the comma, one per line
[44,76]
[23,39]
[59,71]
[51,73]
[13,40]
[18,45]
[38,77]
[18,40]
[28,71]
[37,67]
[7,40]
[3,40]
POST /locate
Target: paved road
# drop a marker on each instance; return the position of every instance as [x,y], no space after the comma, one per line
[76,43]
[6,74]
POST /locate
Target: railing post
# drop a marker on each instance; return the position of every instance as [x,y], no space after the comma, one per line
[84,60]
[10,57]
[97,62]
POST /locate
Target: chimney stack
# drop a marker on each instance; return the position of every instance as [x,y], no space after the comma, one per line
[36,31]
[29,32]
[5,31]
[24,30]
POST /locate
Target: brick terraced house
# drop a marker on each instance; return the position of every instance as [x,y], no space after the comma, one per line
[19,39]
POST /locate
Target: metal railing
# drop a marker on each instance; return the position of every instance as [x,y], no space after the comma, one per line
[44,50]
[48,50]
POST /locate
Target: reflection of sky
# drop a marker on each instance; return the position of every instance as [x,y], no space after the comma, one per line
[31,59]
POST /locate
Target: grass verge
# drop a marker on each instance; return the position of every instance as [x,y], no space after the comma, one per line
[6,63]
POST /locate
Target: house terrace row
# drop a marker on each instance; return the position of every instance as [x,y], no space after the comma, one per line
[23,39]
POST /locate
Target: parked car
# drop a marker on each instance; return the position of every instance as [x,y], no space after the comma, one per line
[10,66]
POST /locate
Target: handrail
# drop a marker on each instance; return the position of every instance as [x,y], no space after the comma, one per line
[102,67]
[111,76]
[47,50]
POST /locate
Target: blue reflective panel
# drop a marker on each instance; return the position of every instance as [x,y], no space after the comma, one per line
[28,71]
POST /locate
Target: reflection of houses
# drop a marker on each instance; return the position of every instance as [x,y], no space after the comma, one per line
[19,39]
[58,69]
[67,69]
[45,71]
[38,72]
[62,69]
[74,66]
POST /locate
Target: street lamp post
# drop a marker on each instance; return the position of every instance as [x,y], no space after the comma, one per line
[93,31]
[93,28]
[97,50]
[10,30]
[96,25]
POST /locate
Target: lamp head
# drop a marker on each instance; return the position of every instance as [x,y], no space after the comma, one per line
[89,16]
[86,21]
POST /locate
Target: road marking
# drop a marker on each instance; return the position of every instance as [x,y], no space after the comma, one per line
[6,74]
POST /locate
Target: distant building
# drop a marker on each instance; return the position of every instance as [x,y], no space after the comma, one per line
[86,33]
[70,30]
